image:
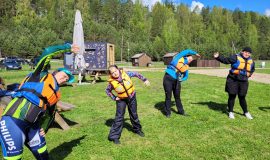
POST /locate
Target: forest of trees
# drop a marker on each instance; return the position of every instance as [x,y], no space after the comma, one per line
[27,26]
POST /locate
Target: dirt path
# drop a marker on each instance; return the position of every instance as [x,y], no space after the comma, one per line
[258,77]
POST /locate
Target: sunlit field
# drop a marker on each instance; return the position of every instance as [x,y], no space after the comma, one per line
[206,134]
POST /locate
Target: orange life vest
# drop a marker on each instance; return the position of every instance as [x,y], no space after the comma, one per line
[242,66]
[180,65]
[43,93]
[32,99]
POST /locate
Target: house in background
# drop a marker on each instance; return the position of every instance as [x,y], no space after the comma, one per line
[141,59]
[204,63]
[167,58]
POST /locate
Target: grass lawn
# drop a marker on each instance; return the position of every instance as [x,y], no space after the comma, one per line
[263,70]
[206,134]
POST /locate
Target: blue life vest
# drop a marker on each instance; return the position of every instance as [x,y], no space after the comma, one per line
[177,67]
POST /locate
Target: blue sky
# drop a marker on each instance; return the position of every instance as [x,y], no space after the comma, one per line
[245,5]
[260,6]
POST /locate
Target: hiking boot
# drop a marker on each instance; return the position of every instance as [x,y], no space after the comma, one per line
[248,115]
[140,133]
[115,141]
[231,115]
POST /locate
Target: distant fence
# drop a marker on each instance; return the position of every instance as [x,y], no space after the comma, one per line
[205,63]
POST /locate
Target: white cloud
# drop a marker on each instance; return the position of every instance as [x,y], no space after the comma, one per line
[195,4]
[149,3]
[267,12]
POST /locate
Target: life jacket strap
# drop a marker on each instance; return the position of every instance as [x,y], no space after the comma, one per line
[12,109]
[33,113]
[44,99]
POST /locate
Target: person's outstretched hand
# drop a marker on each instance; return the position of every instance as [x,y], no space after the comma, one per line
[216,55]
[147,83]
[198,55]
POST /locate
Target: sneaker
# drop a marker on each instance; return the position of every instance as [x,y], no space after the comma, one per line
[115,141]
[248,115]
[140,133]
[231,115]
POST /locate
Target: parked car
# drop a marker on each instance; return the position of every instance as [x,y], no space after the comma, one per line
[11,58]
[9,64]
[22,61]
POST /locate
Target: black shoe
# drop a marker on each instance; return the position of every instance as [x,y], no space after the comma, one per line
[140,133]
[115,141]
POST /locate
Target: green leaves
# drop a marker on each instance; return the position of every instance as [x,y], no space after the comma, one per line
[28,26]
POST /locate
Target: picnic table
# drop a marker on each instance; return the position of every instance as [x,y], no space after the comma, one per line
[61,107]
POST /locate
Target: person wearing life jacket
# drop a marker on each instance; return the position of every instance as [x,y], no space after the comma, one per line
[242,67]
[28,116]
[120,82]
[176,72]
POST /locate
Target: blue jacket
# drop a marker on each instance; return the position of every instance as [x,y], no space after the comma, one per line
[171,68]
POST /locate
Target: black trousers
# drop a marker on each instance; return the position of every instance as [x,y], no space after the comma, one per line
[117,126]
[170,86]
[234,88]
[242,101]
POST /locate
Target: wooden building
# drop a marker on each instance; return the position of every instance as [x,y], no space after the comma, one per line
[204,63]
[141,59]
[98,56]
[167,58]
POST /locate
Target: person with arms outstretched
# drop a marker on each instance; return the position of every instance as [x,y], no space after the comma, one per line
[120,82]
[242,67]
[28,116]
[175,74]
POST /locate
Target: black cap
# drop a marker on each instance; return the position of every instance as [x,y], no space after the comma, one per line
[247,49]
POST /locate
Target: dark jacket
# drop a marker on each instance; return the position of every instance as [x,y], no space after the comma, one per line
[231,60]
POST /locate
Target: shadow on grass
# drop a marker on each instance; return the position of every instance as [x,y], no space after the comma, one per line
[97,81]
[69,122]
[160,106]
[90,79]
[126,125]
[220,107]
[66,85]
[63,150]
[264,108]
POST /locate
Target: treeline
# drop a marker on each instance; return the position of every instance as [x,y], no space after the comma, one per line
[27,26]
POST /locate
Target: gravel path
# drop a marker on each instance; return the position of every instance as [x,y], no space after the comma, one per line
[258,77]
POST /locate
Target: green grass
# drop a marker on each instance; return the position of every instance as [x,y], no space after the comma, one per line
[263,70]
[206,134]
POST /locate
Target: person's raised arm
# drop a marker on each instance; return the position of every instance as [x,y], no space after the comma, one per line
[140,76]
[226,60]
[185,53]
[51,51]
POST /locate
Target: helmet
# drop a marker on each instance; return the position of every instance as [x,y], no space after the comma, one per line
[71,77]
